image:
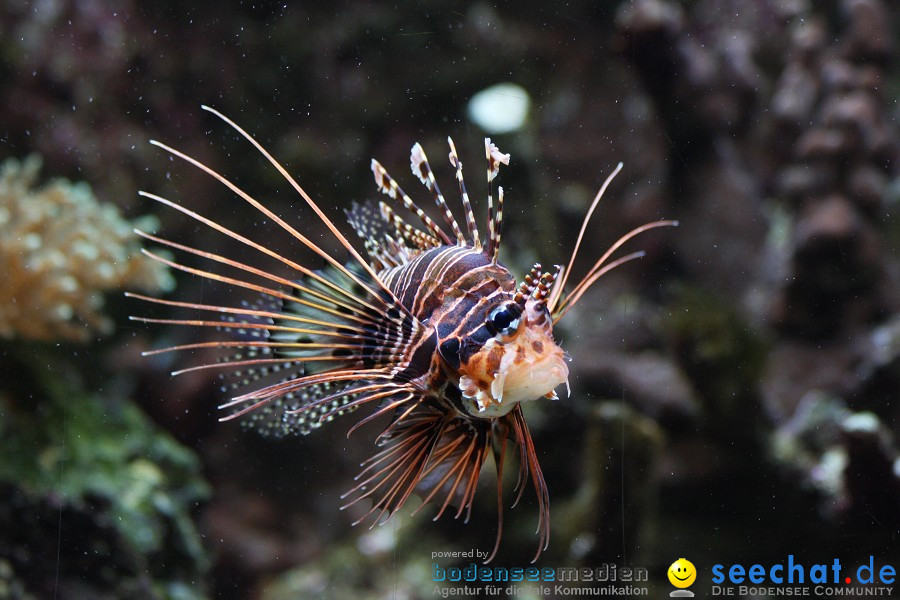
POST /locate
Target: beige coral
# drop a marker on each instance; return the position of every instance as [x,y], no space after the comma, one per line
[60,249]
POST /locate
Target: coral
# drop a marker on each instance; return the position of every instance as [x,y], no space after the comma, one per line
[60,249]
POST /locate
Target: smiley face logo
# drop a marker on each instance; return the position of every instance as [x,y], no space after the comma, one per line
[682,573]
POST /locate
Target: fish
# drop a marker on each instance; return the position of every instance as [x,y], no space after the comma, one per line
[427,331]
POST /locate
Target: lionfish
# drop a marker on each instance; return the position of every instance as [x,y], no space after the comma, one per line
[430,330]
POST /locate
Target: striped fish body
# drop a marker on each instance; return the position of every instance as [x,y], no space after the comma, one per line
[455,290]
[430,333]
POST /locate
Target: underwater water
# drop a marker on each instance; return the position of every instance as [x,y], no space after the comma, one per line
[733,392]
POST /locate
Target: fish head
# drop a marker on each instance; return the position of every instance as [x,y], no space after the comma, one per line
[511,358]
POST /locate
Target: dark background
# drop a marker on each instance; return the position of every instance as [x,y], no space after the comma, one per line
[733,392]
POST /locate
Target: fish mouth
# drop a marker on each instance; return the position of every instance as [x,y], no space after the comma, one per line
[534,379]
[521,376]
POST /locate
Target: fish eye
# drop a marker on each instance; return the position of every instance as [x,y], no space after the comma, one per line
[504,320]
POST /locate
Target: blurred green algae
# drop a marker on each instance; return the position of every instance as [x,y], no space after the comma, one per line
[122,490]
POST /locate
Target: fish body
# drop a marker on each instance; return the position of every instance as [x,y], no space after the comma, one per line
[482,336]
[429,332]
